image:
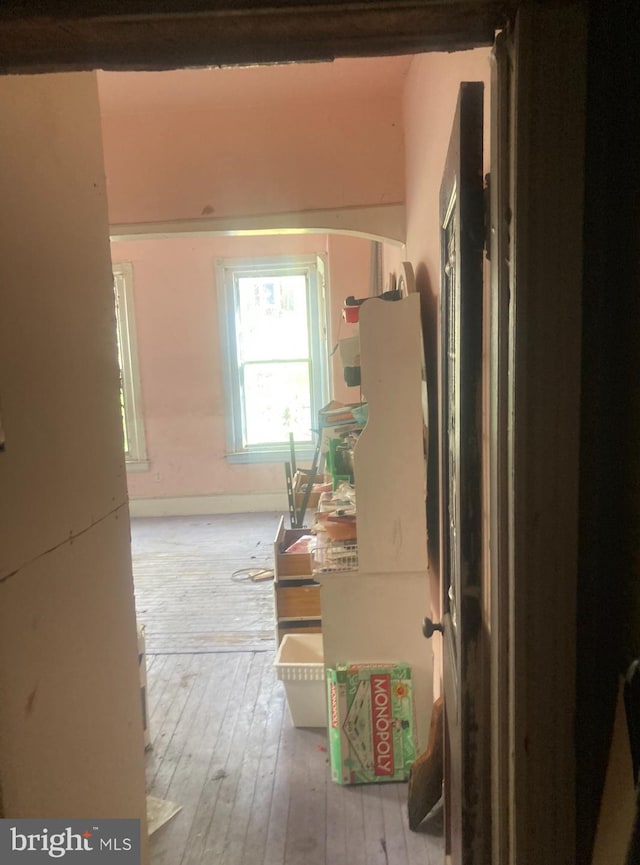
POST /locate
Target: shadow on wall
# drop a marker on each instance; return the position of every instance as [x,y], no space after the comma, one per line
[429,308]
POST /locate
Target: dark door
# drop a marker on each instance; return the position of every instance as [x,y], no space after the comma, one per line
[467,739]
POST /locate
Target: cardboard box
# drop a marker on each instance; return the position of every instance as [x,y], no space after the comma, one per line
[301,480]
[371,724]
[290,564]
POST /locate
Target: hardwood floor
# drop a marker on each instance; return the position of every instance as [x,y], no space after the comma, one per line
[186,594]
[254,790]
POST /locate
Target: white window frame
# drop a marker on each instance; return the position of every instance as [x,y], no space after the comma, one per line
[136,454]
[228,270]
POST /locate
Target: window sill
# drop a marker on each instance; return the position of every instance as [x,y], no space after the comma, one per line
[134,466]
[281,455]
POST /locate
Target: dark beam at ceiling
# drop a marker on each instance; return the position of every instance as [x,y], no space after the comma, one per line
[74,35]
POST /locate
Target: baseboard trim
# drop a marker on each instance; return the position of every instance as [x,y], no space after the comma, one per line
[188,506]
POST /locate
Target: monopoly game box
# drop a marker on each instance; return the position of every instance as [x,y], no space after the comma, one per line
[371,724]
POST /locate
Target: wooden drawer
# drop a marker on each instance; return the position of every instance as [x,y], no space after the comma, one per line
[297,602]
[289,564]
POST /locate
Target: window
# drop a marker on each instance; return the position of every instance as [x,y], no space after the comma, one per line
[273,331]
[130,401]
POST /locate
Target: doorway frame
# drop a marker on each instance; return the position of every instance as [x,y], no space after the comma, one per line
[537,449]
[537,191]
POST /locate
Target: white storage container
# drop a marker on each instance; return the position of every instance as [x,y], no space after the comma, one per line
[299,665]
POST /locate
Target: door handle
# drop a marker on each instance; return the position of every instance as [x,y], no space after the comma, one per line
[429,627]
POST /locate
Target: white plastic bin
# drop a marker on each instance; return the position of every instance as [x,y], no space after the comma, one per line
[299,665]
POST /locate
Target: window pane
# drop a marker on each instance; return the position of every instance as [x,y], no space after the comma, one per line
[123,414]
[123,410]
[276,399]
[272,318]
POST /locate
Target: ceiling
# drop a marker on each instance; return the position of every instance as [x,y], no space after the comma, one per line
[195,89]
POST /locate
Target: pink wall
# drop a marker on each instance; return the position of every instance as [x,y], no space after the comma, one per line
[180,362]
[430,98]
[392,258]
[215,143]
[350,269]
[331,150]
[219,156]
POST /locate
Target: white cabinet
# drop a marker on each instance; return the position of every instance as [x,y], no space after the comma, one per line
[375,614]
[389,458]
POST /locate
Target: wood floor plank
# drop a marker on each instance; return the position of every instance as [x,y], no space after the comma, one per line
[163,682]
[394,840]
[276,841]
[161,691]
[186,593]
[166,724]
[261,809]
[268,813]
[254,790]
[374,831]
[421,848]
[184,708]
[306,836]
[336,828]
[430,834]
[193,767]
[156,682]
[229,707]
[245,798]
[354,813]
[229,789]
